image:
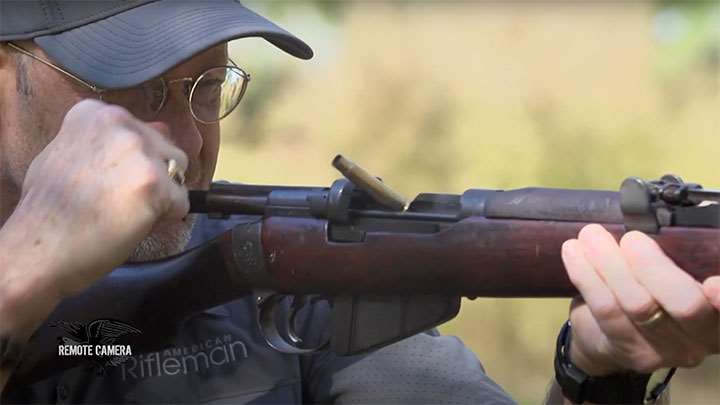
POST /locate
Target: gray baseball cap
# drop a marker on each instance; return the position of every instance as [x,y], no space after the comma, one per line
[122,43]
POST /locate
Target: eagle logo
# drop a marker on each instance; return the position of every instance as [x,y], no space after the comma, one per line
[97,332]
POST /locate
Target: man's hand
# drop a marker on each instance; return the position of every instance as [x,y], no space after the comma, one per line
[617,325]
[88,199]
[95,191]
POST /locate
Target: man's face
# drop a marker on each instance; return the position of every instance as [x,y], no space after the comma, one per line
[35,99]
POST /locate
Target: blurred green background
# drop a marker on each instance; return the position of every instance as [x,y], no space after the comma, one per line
[443,96]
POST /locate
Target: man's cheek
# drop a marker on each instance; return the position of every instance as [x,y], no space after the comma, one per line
[209,156]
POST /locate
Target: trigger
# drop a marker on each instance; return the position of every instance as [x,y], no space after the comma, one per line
[268,307]
[298,302]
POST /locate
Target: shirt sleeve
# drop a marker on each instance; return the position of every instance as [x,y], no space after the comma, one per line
[425,368]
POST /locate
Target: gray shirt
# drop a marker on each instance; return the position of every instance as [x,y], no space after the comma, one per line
[218,356]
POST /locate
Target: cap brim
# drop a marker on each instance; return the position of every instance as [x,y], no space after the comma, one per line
[144,42]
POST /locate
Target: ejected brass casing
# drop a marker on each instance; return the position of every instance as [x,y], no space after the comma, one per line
[370,184]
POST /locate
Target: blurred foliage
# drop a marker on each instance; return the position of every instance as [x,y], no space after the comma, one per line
[330,9]
[445,96]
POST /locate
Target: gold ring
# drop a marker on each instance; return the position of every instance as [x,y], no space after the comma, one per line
[653,319]
[174,172]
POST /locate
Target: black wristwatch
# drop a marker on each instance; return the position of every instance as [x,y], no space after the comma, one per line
[624,388]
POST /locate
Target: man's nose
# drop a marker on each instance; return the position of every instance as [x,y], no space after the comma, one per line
[177,123]
[161,127]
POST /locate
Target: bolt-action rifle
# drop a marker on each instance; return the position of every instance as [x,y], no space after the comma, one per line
[389,269]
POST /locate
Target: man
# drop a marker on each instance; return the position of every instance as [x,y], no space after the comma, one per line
[103,129]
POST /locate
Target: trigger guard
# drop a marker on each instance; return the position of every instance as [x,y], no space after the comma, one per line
[267,308]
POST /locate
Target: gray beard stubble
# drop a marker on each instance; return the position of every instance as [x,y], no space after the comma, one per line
[166,241]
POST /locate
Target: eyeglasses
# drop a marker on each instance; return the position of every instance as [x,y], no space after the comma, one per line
[211,96]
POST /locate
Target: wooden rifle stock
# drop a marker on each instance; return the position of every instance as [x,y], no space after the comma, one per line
[403,270]
[474,257]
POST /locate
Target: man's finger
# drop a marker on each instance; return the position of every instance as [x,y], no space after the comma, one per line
[604,255]
[677,292]
[599,298]
[179,202]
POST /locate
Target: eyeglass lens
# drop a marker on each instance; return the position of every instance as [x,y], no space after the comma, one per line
[217,92]
[213,96]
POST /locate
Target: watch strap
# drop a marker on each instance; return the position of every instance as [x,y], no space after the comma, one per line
[578,387]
